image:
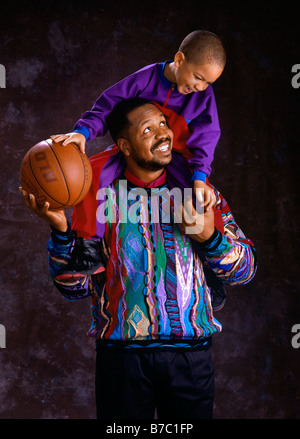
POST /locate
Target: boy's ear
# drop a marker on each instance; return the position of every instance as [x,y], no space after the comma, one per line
[124,146]
[178,59]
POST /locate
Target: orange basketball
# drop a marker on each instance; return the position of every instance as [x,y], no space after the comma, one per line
[61,175]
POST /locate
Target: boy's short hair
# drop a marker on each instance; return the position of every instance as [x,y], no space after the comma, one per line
[203,47]
[117,121]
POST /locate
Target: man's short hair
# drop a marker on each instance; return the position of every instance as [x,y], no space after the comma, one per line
[203,47]
[117,121]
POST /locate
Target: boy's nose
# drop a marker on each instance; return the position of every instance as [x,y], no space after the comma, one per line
[200,86]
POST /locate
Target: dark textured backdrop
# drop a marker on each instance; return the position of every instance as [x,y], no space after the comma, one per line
[59,56]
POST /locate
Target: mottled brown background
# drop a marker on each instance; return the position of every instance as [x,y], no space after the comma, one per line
[59,56]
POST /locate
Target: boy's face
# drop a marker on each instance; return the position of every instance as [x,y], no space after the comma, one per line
[191,78]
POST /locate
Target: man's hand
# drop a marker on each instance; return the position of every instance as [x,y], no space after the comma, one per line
[56,218]
[209,197]
[73,137]
[199,226]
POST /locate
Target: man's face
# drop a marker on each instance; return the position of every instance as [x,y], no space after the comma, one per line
[150,138]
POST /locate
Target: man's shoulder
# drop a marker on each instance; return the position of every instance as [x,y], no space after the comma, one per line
[99,160]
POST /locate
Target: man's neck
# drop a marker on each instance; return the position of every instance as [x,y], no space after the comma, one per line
[147,179]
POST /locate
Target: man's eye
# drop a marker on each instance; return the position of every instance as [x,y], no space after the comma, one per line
[163,123]
[146,130]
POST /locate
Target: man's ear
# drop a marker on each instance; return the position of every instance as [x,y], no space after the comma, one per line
[124,146]
[178,59]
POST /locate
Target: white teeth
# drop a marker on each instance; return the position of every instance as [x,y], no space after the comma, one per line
[163,148]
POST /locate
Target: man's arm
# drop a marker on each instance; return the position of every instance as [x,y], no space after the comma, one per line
[60,247]
[230,254]
[55,218]
[232,259]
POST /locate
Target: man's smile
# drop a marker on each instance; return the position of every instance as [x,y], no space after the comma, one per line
[162,146]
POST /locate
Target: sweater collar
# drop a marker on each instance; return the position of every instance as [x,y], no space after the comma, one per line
[137,182]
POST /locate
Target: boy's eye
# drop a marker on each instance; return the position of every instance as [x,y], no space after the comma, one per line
[163,123]
[201,79]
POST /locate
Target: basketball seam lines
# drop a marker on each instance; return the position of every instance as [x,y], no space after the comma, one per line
[84,169]
[62,205]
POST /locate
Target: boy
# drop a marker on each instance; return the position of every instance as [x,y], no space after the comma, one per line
[182,87]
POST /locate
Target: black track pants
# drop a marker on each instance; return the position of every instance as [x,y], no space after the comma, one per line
[178,385]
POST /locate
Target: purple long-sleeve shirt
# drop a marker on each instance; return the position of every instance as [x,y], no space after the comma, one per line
[199,110]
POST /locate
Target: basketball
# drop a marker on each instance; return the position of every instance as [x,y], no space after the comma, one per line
[61,175]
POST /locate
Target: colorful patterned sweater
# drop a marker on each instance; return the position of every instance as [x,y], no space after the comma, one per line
[153,290]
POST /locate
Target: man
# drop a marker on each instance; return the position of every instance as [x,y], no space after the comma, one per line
[151,302]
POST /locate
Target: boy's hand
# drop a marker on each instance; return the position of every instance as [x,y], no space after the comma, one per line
[209,197]
[73,137]
[56,218]
[199,226]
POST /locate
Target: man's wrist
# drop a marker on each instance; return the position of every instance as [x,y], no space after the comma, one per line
[212,242]
[60,236]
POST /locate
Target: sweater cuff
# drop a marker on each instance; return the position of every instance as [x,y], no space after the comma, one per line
[212,243]
[63,238]
[199,175]
[82,130]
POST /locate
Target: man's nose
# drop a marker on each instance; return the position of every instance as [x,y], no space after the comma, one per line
[162,132]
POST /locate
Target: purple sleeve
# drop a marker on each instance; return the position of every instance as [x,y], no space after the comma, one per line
[93,122]
[205,133]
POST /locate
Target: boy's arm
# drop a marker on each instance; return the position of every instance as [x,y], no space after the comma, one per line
[204,136]
[93,122]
